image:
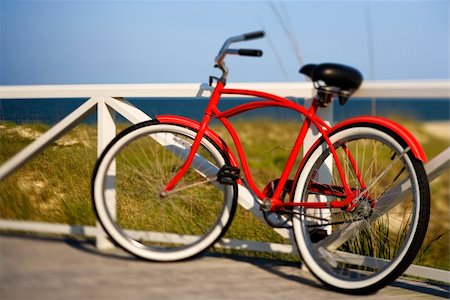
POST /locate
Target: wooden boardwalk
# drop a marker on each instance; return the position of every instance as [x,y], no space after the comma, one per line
[45,268]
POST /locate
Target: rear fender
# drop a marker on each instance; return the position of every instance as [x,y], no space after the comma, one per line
[211,135]
[374,121]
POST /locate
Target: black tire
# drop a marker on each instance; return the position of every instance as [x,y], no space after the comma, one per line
[176,227]
[386,227]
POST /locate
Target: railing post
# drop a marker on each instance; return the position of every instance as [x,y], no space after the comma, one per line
[325,172]
[106,131]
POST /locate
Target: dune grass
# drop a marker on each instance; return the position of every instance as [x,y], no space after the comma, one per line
[55,185]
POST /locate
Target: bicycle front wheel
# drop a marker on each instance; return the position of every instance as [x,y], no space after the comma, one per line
[129,177]
[362,248]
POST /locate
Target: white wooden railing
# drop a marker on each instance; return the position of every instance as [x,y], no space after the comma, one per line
[108,99]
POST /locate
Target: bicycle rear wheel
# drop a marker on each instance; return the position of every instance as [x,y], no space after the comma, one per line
[367,247]
[183,224]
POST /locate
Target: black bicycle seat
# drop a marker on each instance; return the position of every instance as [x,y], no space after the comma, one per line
[342,80]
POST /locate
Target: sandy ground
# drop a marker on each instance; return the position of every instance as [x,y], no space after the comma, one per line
[441,128]
[41,268]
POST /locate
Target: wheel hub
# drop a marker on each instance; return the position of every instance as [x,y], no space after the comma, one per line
[363,209]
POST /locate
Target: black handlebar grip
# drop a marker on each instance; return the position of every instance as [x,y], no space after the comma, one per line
[254,35]
[250,52]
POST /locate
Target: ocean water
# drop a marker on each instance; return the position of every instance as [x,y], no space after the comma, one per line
[50,111]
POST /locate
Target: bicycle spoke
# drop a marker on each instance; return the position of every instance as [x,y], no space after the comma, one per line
[362,240]
[194,184]
[198,207]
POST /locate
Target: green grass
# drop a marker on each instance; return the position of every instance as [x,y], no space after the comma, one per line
[55,185]
[435,250]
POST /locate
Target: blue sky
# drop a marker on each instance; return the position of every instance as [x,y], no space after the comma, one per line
[72,42]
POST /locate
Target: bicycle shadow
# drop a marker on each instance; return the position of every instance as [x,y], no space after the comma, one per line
[273,267]
[283,269]
[279,268]
[433,289]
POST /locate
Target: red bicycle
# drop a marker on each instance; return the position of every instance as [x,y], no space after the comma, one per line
[358,204]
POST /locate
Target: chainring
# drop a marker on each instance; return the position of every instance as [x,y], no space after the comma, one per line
[278,219]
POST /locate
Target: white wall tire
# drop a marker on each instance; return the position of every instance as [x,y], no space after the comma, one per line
[172,242]
[327,265]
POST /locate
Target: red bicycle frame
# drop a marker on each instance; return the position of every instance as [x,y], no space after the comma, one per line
[343,192]
[212,111]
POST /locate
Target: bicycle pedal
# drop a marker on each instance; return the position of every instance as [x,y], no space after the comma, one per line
[228,175]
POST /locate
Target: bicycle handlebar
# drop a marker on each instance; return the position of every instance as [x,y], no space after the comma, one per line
[250,52]
[254,35]
[245,52]
[239,38]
